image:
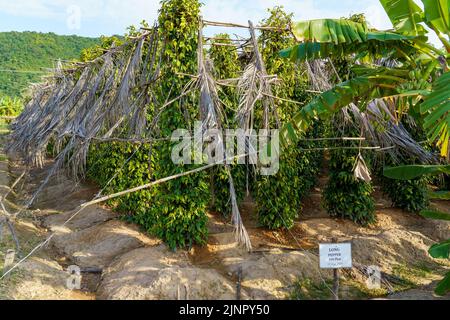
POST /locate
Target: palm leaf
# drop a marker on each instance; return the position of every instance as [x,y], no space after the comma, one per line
[440,195]
[444,286]
[382,43]
[366,87]
[335,31]
[405,15]
[414,171]
[437,215]
[437,14]
[440,250]
[437,110]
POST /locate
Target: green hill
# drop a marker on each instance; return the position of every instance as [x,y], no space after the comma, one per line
[24,54]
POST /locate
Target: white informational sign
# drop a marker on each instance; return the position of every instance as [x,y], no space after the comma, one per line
[335,255]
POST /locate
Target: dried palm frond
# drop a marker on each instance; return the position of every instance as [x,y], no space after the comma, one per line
[212,117]
[240,231]
[361,171]
[381,128]
[378,121]
[249,94]
[83,102]
[211,108]
[318,75]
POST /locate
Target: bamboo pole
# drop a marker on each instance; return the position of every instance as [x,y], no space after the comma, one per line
[148,185]
[235,25]
[225,39]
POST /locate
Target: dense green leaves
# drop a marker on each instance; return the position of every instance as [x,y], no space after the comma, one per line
[333,38]
[226,66]
[179,208]
[409,195]
[174,211]
[346,196]
[340,38]
[10,107]
[32,51]
[279,197]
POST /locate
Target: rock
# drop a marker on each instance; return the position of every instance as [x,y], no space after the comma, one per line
[87,218]
[272,275]
[99,245]
[159,274]
[40,278]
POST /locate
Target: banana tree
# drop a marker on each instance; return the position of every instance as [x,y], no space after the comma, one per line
[440,250]
[420,80]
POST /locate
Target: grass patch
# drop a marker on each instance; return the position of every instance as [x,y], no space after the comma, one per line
[27,243]
[349,289]
[412,276]
[306,289]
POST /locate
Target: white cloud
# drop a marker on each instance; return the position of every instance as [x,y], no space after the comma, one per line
[26,8]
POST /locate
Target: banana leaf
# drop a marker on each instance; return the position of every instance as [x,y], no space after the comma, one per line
[363,88]
[405,15]
[437,14]
[414,171]
[440,250]
[331,31]
[436,109]
[377,43]
[437,215]
[440,195]
[444,286]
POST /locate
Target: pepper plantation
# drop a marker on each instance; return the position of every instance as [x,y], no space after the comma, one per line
[360,114]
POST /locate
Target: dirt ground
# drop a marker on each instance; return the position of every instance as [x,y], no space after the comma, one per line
[119,261]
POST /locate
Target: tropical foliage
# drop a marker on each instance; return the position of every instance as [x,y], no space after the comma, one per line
[298,168]
[176,210]
[410,195]
[346,196]
[23,55]
[347,68]
[10,107]
[326,38]
[440,250]
[226,66]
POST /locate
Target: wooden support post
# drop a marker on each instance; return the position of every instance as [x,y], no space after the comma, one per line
[335,278]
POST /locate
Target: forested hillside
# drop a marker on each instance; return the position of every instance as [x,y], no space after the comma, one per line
[24,54]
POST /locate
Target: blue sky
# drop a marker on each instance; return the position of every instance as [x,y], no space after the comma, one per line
[107,17]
